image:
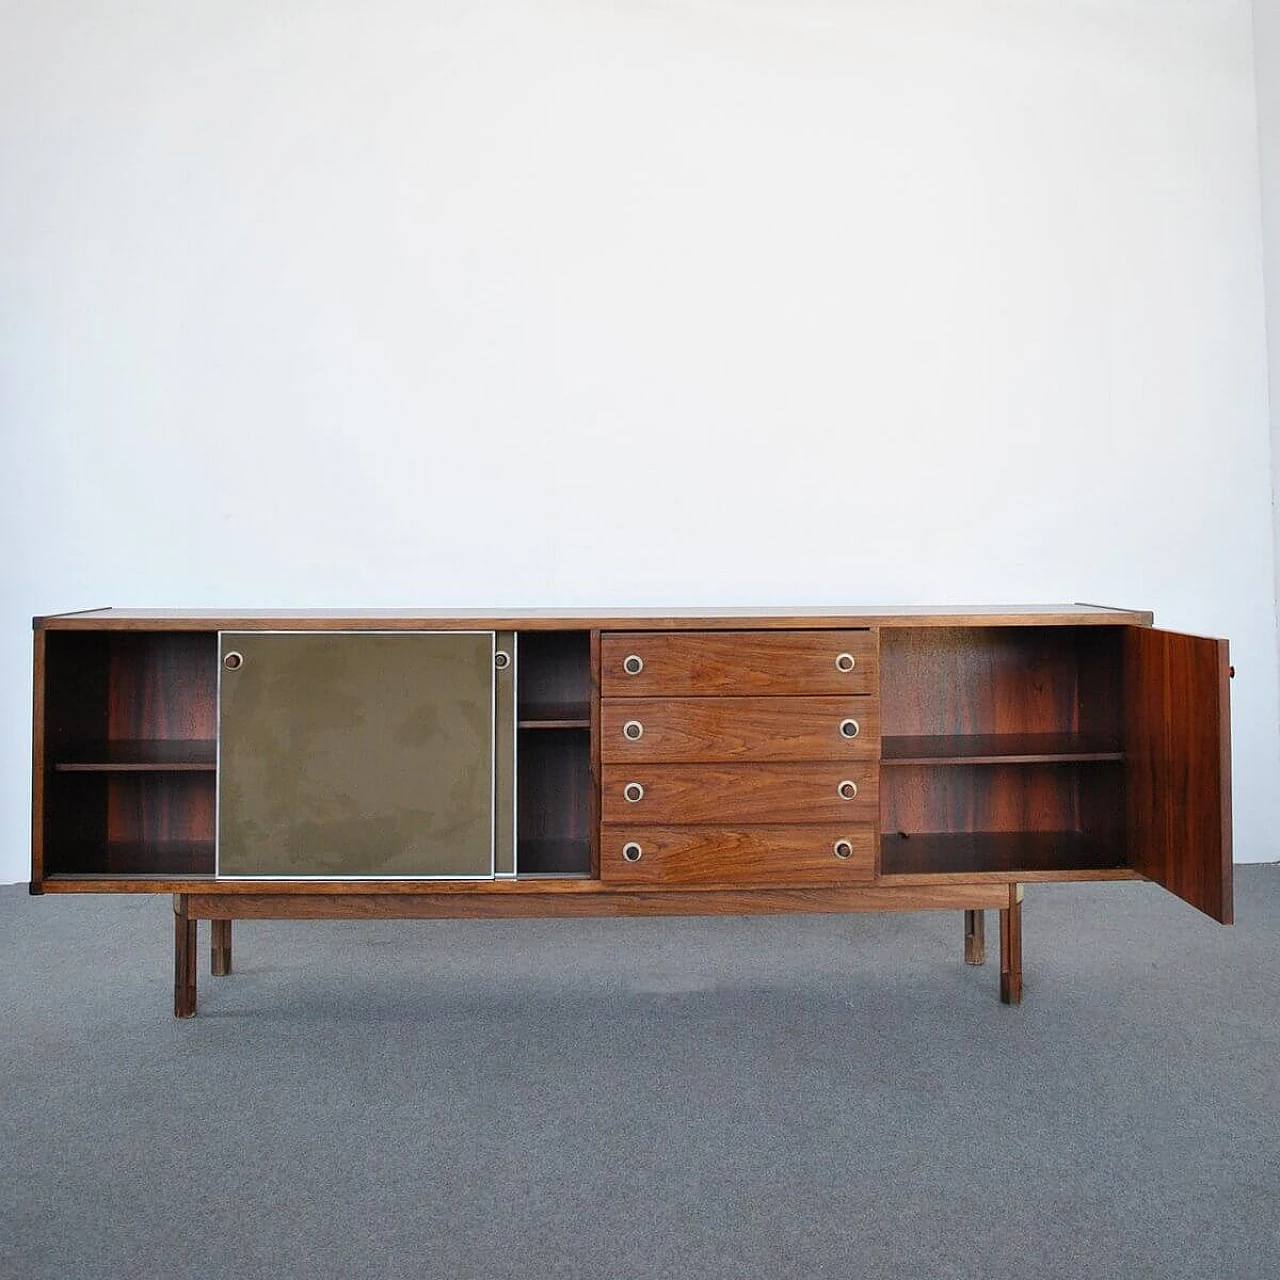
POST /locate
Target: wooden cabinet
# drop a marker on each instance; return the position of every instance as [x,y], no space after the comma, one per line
[424,764]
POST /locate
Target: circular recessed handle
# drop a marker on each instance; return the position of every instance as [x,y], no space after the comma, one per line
[849,729]
[233,660]
[847,790]
[845,662]
[633,664]
[633,730]
[633,792]
[843,848]
[502,660]
[632,852]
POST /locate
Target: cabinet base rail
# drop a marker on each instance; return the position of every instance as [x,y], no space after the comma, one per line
[222,909]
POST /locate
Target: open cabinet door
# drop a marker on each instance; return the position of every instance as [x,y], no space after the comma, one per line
[1178,730]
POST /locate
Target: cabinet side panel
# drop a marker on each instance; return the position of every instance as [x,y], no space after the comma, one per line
[595,714]
[38,763]
[1177,704]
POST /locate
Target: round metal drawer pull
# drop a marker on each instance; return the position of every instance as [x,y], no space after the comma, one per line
[632,852]
[845,662]
[849,729]
[233,660]
[843,849]
[633,664]
[847,789]
[502,659]
[633,730]
[633,791]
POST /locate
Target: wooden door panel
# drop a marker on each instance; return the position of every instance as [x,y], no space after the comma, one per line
[1178,729]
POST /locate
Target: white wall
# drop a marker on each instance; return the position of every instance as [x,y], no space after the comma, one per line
[1266,27]
[572,303]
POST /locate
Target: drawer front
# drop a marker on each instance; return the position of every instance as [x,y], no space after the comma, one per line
[728,729]
[728,794]
[745,663]
[741,856]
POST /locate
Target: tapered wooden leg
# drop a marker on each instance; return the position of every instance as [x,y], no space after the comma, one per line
[1011,948]
[184,959]
[975,937]
[220,948]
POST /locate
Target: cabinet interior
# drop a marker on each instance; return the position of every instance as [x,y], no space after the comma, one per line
[1003,750]
[553,753]
[130,752]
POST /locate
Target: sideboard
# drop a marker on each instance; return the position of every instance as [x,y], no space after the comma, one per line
[416,763]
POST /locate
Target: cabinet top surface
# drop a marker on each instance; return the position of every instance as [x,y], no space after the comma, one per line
[611,619]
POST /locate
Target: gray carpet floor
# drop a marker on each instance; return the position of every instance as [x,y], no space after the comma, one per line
[789,1097]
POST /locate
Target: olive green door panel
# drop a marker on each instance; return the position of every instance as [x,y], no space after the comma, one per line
[348,754]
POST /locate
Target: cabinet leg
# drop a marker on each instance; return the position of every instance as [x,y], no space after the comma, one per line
[184,959]
[220,948]
[975,937]
[1011,948]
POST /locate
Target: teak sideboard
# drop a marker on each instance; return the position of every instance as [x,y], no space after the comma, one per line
[430,764]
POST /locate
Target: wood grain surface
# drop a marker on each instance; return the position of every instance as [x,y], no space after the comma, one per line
[674,619]
[742,856]
[730,794]
[1179,777]
[628,902]
[688,730]
[737,663]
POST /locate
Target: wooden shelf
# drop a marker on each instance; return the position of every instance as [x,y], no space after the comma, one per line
[140,755]
[569,855]
[162,858]
[554,715]
[999,748]
[976,852]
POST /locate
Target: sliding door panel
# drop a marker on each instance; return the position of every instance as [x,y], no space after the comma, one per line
[356,754]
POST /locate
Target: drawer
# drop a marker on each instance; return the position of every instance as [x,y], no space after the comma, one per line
[738,856]
[728,729]
[637,664]
[728,794]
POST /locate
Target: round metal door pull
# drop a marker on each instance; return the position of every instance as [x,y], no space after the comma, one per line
[633,791]
[843,849]
[233,661]
[848,789]
[633,730]
[633,664]
[502,660]
[845,662]
[632,852]
[849,729]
